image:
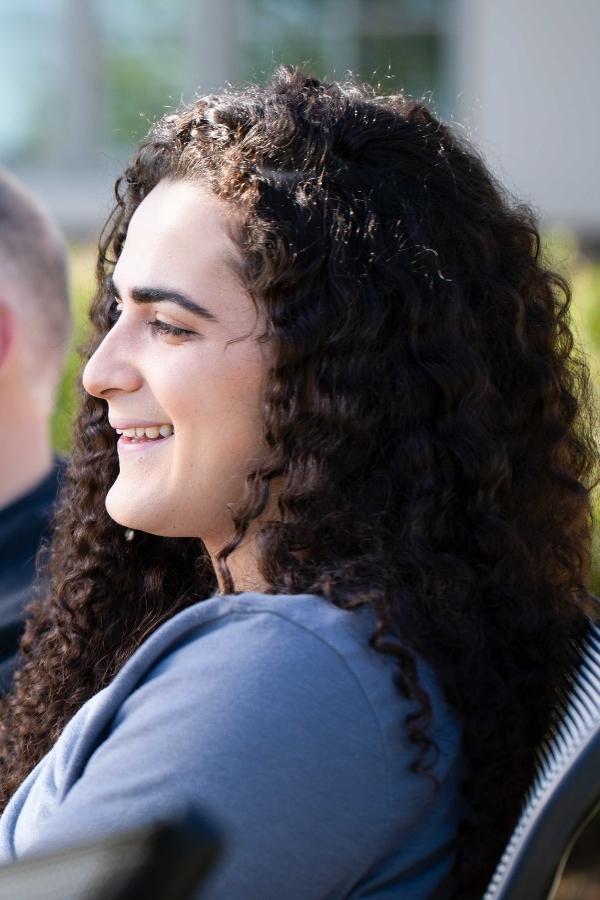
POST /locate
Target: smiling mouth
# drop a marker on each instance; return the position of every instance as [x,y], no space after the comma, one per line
[149,434]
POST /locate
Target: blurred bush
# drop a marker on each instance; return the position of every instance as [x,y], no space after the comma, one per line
[82,260]
[559,248]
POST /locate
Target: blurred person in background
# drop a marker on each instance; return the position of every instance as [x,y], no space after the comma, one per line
[331,388]
[35,325]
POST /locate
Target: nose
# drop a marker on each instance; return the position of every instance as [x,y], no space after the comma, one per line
[112,367]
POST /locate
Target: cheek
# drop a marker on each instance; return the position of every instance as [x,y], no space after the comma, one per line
[242,400]
[217,402]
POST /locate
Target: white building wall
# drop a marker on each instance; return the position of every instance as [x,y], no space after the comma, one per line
[528,88]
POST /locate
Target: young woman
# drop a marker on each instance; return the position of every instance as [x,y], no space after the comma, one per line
[319,563]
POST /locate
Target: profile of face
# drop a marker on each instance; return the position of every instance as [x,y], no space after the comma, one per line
[182,369]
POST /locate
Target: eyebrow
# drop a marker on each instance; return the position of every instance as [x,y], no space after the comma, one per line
[157,295]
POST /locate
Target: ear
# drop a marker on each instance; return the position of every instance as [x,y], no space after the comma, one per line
[7,332]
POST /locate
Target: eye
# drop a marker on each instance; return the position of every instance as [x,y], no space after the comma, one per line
[115,310]
[163,328]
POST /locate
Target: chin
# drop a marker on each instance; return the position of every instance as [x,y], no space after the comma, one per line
[136,515]
[124,513]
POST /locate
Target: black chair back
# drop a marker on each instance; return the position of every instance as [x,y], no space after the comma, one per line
[565,795]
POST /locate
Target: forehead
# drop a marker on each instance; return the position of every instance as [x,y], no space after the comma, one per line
[180,230]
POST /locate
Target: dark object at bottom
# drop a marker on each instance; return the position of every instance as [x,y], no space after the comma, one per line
[563,799]
[161,861]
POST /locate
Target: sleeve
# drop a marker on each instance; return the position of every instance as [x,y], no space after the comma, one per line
[262,727]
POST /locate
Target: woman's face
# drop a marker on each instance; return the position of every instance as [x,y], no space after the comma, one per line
[183,359]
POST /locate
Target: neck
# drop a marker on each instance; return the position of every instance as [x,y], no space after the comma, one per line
[26,454]
[244,569]
[243,563]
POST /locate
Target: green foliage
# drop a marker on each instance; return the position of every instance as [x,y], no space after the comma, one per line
[132,86]
[562,252]
[586,320]
[82,261]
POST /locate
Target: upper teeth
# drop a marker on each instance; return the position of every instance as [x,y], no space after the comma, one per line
[152,431]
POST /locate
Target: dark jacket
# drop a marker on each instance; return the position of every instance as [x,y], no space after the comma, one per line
[22,526]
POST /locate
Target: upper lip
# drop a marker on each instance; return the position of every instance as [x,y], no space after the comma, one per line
[121,424]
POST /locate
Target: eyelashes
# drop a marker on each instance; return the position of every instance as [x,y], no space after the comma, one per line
[157,326]
[163,328]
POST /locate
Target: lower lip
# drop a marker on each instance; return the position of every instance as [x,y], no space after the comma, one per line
[129,445]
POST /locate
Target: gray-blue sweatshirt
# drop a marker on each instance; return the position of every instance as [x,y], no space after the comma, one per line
[274,717]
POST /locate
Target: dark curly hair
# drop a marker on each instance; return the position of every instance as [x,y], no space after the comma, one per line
[427,414]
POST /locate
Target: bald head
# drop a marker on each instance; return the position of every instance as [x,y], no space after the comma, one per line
[33,283]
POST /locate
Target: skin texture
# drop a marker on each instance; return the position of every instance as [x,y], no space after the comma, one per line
[207,383]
